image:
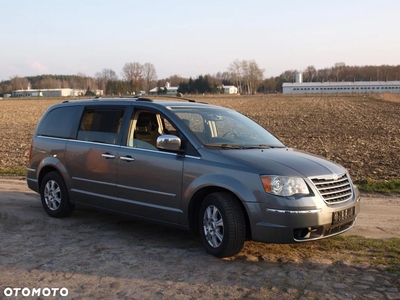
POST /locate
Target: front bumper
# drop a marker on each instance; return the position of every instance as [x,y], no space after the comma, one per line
[291,225]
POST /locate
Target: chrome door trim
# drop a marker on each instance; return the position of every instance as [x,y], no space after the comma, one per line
[146,190]
[128,201]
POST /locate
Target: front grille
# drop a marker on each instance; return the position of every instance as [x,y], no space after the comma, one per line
[334,191]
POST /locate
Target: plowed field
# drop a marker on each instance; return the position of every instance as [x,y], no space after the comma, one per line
[361,133]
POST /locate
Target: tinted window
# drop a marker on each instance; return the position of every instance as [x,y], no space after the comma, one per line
[58,122]
[104,120]
[101,125]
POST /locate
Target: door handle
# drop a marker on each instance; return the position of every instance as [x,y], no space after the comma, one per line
[127,158]
[108,155]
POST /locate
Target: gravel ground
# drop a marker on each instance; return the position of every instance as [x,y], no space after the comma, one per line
[94,255]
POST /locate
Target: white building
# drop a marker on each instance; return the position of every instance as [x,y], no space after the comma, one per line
[229,89]
[171,90]
[359,87]
[52,93]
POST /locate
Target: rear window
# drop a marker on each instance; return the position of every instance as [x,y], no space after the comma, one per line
[101,125]
[58,122]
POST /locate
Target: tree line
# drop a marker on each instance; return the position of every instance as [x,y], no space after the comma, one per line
[246,75]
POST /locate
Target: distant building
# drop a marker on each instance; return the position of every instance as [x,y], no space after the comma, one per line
[344,87]
[66,92]
[229,89]
[359,87]
[170,90]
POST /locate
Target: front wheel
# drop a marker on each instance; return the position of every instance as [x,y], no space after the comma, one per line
[222,225]
[54,196]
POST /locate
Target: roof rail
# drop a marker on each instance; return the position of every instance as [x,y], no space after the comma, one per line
[163,98]
[143,99]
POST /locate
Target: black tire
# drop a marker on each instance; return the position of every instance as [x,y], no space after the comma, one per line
[53,193]
[222,225]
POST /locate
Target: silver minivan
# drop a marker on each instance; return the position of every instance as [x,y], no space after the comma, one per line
[191,165]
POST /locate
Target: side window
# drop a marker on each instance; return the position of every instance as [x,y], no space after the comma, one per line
[59,122]
[101,125]
[195,122]
[168,127]
[146,127]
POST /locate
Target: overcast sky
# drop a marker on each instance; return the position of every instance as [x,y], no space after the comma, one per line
[190,37]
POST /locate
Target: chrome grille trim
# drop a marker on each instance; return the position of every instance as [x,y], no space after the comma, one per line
[333,191]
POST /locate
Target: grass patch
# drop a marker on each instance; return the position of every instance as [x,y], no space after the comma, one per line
[369,185]
[373,251]
[351,249]
[20,171]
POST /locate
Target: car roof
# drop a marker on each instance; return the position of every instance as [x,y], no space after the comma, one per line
[166,102]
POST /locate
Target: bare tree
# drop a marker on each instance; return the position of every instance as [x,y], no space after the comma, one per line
[4,88]
[324,74]
[18,83]
[235,68]
[49,82]
[174,80]
[270,85]
[80,81]
[310,73]
[245,70]
[133,73]
[255,76]
[150,74]
[289,75]
[337,70]
[91,83]
[247,75]
[104,77]
[223,77]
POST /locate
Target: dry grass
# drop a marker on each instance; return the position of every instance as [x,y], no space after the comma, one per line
[361,133]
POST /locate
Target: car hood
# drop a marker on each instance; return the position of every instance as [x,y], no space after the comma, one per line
[285,161]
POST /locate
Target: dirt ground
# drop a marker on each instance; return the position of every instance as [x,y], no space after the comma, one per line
[100,256]
[362,133]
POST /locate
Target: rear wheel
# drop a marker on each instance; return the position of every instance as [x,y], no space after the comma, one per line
[222,225]
[54,196]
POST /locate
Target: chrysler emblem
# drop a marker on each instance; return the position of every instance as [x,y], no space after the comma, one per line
[335,177]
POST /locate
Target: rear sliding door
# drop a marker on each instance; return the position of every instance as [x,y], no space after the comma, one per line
[92,158]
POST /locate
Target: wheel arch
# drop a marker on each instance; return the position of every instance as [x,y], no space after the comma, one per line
[44,171]
[197,199]
[56,200]
[50,166]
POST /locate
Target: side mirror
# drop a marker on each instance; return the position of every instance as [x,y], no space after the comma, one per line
[169,142]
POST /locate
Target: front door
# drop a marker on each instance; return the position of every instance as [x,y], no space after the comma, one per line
[149,180]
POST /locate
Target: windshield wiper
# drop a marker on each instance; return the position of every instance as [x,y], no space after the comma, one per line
[224,146]
[257,147]
[230,146]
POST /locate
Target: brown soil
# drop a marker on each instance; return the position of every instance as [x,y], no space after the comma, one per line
[361,133]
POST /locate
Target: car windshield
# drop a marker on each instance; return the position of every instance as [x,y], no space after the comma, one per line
[225,128]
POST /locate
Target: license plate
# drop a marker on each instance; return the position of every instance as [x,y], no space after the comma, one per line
[339,216]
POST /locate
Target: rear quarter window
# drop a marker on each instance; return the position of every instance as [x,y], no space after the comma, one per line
[59,122]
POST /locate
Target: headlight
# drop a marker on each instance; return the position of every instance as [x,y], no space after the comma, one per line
[284,185]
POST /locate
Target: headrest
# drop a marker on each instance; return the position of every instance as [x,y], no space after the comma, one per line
[144,120]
